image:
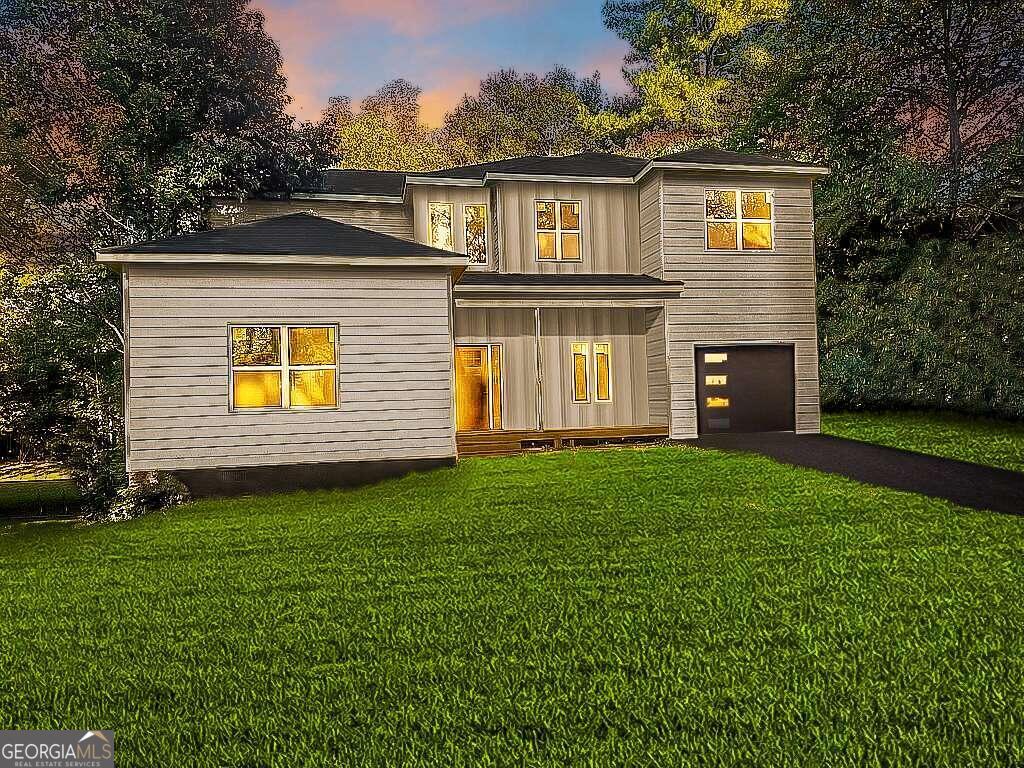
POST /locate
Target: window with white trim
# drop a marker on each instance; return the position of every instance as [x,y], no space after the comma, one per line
[440,226]
[475,218]
[283,366]
[558,230]
[591,363]
[738,220]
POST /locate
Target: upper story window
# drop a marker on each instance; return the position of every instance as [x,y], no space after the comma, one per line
[738,219]
[283,366]
[475,215]
[558,230]
[440,225]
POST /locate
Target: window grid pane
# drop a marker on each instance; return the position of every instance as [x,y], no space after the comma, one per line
[602,365]
[440,225]
[559,237]
[581,385]
[738,219]
[476,233]
[256,345]
[303,373]
[312,388]
[257,389]
[311,346]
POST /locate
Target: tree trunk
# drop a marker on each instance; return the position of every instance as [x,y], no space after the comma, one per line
[952,111]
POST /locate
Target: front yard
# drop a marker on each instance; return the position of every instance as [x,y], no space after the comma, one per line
[647,607]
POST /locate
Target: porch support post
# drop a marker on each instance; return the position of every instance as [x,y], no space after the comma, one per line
[540,370]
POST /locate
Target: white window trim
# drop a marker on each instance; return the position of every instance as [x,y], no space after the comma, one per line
[557,231]
[594,346]
[284,368]
[430,222]
[587,361]
[487,233]
[739,219]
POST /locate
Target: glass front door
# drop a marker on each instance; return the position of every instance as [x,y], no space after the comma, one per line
[477,387]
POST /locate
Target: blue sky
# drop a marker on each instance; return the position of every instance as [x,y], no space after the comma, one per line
[351,47]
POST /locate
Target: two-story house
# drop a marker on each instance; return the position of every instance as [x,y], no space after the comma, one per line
[384,321]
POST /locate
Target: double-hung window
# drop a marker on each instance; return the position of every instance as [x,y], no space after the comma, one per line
[284,366]
[475,218]
[558,230]
[591,372]
[738,220]
[441,225]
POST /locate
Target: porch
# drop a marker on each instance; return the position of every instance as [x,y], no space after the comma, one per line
[507,443]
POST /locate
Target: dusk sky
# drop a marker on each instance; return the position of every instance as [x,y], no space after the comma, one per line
[351,47]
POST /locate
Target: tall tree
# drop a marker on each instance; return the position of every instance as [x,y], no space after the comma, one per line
[386,133]
[118,122]
[517,114]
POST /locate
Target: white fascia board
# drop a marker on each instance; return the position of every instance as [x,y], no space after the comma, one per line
[638,290]
[442,182]
[256,259]
[665,165]
[557,178]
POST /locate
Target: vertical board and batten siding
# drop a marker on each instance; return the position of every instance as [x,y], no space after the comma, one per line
[650,226]
[610,227]
[515,330]
[741,297]
[421,196]
[394,365]
[657,366]
[624,328]
[393,219]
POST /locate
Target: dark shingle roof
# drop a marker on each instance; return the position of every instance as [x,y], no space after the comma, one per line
[582,164]
[577,280]
[353,181]
[297,234]
[722,157]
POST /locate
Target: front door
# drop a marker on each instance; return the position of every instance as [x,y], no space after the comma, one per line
[477,387]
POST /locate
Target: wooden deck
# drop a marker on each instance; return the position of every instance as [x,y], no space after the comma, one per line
[507,443]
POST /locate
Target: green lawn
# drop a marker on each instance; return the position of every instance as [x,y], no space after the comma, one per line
[983,441]
[638,607]
[29,488]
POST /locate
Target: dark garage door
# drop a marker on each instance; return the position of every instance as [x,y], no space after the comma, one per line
[745,388]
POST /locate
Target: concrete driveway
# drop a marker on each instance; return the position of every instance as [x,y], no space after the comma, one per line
[963,483]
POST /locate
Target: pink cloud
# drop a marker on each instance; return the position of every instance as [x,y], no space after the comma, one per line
[608,61]
[439,99]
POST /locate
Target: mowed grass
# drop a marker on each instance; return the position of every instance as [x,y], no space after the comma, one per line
[983,441]
[666,606]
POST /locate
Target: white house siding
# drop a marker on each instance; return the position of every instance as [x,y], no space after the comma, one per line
[743,297]
[394,368]
[390,218]
[657,366]
[650,225]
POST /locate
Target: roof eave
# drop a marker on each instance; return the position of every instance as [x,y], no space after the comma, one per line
[782,168]
[281,259]
[330,196]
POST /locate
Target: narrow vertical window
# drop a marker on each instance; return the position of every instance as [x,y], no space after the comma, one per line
[440,232]
[603,371]
[580,372]
[558,230]
[495,350]
[283,367]
[476,232]
[738,220]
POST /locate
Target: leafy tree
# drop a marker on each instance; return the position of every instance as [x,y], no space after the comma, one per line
[516,114]
[387,132]
[118,121]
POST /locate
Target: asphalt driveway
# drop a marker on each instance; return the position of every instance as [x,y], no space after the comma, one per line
[963,483]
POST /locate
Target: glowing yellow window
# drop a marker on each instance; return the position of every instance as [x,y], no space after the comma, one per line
[311,346]
[581,383]
[603,371]
[558,230]
[475,216]
[257,389]
[716,357]
[717,402]
[715,381]
[440,231]
[738,219]
[312,388]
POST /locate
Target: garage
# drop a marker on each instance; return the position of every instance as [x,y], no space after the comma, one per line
[745,388]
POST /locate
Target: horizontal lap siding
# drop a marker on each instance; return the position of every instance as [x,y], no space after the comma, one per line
[389,218]
[657,366]
[394,367]
[740,297]
[651,225]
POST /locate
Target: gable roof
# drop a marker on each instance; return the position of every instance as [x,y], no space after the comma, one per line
[294,238]
[583,164]
[712,157]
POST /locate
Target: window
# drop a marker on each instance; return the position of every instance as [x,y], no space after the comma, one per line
[738,220]
[280,366]
[716,357]
[580,372]
[715,381]
[603,371]
[558,230]
[582,366]
[440,231]
[717,402]
[476,232]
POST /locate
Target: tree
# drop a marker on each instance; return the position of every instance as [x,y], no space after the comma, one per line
[516,114]
[387,132]
[118,122]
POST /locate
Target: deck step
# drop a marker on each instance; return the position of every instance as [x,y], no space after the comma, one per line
[507,443]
